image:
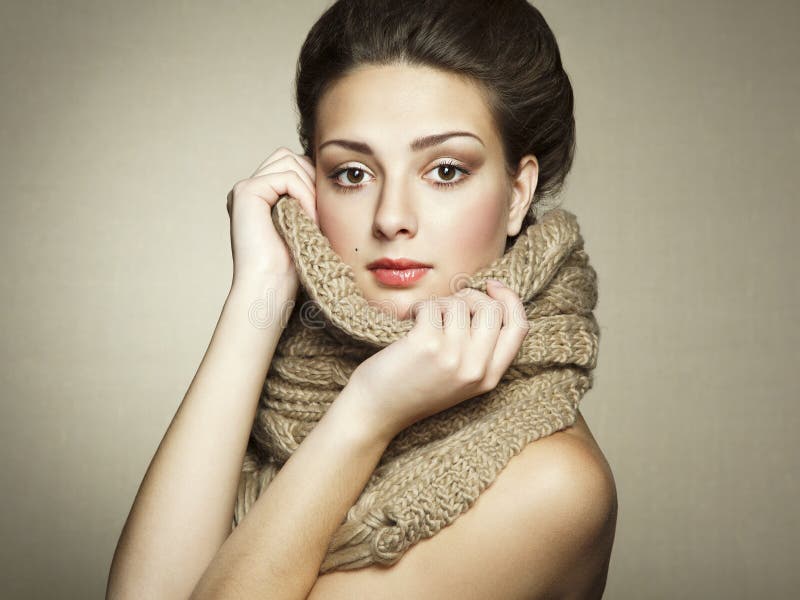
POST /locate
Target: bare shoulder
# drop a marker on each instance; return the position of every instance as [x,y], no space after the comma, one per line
[569,489]
[544,528]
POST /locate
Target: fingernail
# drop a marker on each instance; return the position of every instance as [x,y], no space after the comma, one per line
[496,282]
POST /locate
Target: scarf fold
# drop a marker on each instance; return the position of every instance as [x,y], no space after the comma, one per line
[435,469]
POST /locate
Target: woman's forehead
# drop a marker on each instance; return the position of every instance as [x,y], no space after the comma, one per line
[402,102]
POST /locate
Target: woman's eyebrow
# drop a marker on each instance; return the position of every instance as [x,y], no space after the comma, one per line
[416,145]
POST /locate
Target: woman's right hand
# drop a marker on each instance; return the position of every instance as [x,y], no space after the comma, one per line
[460,347]
[258,250]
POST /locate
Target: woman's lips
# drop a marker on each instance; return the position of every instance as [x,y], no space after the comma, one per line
[399,277]
[399,271]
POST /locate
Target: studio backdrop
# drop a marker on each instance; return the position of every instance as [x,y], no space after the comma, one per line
[125,124]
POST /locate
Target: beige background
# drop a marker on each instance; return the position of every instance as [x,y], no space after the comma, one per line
[124,125]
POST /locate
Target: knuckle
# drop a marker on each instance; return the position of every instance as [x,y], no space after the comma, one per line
[473,374]
[298,159]
[482,300]
[489,302]
[456,307]
[448,361]
[293,173]
[490,382]
[463,303]
[431,347]
[238,187]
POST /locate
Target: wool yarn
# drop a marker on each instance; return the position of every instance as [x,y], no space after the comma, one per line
[435,469]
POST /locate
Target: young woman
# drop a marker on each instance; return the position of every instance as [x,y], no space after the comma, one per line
[432,131]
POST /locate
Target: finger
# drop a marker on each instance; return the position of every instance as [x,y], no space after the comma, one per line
[308,164]
[279,153]
[307,196]
[456,319]
[513,309]
[427,315]
[272,186]
[514,328]
[486,323]
[289,162]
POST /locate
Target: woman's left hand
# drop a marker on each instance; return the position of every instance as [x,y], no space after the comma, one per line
[459,347]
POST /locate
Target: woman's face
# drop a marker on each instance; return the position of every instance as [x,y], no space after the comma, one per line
[393,182]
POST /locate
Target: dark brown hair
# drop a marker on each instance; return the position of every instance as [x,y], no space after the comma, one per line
[504,45]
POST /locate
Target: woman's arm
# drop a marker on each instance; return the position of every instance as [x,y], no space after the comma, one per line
[183,510]
[277,549]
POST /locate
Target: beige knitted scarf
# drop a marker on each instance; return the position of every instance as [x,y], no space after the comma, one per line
[434,470]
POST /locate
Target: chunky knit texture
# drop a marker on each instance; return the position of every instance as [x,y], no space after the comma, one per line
[434,470]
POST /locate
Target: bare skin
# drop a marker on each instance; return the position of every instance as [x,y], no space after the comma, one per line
[591,580]
[463,561]
[543,529]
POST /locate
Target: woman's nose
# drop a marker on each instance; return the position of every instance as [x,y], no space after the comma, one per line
[395,214]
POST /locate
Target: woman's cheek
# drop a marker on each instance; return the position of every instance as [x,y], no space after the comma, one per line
[330,220]
[481,228]
[340,229]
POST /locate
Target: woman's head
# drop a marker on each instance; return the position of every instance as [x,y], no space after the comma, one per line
[386,74]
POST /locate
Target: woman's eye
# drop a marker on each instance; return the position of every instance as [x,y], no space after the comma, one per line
[353,177]
[354,174]
[448,172]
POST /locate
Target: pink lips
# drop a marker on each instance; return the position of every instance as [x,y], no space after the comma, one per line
[398,272]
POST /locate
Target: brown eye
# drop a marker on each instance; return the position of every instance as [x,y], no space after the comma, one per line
[447,172]
[358,174]
[349,179]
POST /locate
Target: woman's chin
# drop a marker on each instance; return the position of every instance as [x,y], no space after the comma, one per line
[399,309]
[396,301]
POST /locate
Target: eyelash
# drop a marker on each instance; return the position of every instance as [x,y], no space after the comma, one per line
[442,184]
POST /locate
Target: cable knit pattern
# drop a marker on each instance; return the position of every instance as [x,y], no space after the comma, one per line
[434,470]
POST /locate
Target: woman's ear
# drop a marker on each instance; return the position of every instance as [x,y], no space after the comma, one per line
[523,188]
